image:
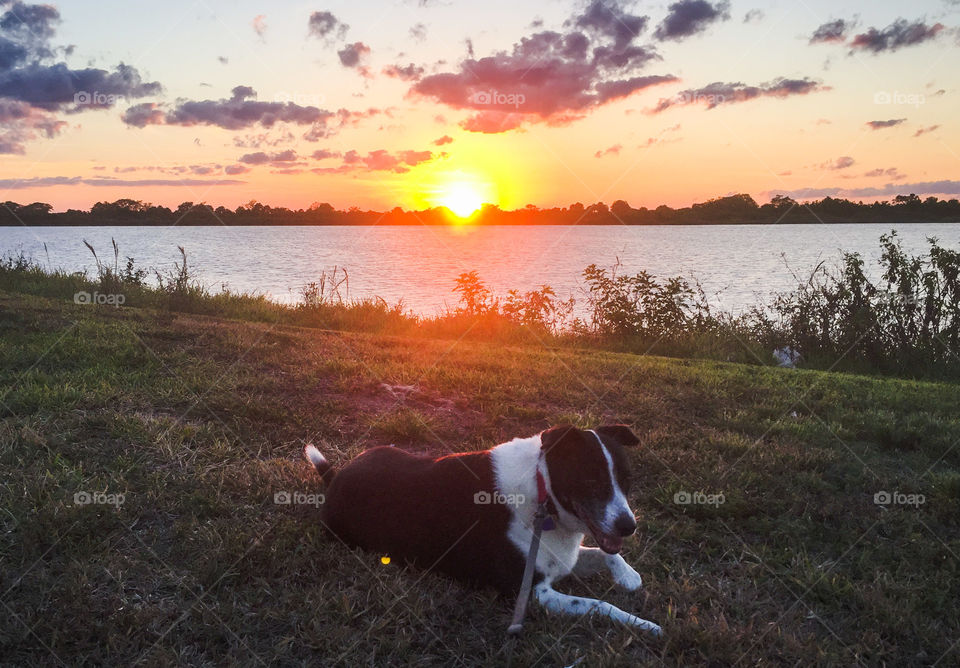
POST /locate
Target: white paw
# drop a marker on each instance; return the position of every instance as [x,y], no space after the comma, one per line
[629,579]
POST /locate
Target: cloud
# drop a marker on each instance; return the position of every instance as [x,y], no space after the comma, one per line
[753,15]
[608,19]
[717,93]
[612,150]
[890,173]
[901,33]
[923,131]
[944,187]
[323,154]
[409,72]
[879,125]
[689,17]
[418,32]
[261,158]
[233,170]
[49,181]
[352,54]
[20,123]
[843,162]
[445,139]
[550,76]
[33,85]
[492,122]
[831,31]
[259,25]
[325,25]
[235,113]
[380,160]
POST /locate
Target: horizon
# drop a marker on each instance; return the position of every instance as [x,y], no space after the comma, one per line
[421,105]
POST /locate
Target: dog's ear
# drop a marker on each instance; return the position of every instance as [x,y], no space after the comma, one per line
[554,435]
[619,433]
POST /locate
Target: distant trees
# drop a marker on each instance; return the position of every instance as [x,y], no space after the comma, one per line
[733,209]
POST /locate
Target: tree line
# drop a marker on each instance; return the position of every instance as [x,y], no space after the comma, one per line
[733,209]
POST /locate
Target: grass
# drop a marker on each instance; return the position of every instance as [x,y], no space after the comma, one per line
[198,422]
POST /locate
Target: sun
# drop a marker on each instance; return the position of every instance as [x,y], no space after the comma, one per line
[462,198]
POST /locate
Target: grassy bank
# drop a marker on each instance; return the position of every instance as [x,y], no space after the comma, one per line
[905,322]
[198,422]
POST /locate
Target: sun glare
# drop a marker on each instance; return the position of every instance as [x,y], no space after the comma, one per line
[463,199]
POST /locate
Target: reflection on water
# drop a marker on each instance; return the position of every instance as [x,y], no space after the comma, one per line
[735,264]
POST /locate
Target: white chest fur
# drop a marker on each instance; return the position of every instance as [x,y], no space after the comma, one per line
[515,473]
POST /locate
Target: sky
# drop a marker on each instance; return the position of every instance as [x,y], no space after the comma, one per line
[416,103]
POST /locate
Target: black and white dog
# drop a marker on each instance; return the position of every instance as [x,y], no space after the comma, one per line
[471,515]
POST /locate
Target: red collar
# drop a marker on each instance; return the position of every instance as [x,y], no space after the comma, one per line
[541,487]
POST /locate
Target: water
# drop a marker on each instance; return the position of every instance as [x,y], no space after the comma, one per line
[738,266]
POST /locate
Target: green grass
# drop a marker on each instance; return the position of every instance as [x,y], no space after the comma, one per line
[198,422]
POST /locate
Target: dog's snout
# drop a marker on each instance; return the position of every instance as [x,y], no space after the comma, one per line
[625,525]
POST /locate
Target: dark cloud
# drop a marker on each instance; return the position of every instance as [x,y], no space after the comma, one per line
[689,17]
[29,22]
[608,19]
[57,87]
[326,26]
[832,31]
[549,76]
[409,72]
[235,113]
[33,85]
[717,93]
[352,54]
[879,125]
[753,15]
[261,158]
[233,170]
[901,33]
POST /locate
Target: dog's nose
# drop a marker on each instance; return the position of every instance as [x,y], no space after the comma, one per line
[625,525]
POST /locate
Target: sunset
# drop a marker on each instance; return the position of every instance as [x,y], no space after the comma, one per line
[365,104]
[447,333]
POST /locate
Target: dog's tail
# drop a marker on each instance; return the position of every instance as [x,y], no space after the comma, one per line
[324,468]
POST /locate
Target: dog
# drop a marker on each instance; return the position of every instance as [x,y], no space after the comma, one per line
[470,515]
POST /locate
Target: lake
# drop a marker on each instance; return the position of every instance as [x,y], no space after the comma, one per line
[738,265]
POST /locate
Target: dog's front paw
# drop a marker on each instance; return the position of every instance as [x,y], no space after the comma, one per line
[628,578]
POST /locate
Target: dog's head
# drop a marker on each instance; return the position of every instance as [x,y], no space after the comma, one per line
[589,478]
